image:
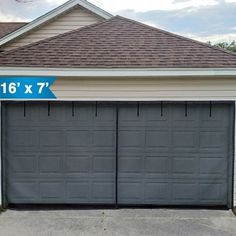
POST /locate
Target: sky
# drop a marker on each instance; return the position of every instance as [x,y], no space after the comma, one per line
[204,20]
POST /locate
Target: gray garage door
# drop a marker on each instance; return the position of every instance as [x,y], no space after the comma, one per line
[176,154]
[60,153]
[141,153]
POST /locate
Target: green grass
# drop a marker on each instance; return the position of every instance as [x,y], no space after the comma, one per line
[2,210]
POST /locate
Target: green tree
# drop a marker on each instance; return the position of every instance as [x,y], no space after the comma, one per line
[228,46]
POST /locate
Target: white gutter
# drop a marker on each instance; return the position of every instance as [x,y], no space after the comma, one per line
[52,14]
[149,72]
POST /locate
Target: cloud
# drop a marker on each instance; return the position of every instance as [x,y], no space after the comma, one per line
[201,22]
[149,5]
[177,1]
[201,19]
[12,10]
[10,18]
[216,38]
[56,2]
[34,8]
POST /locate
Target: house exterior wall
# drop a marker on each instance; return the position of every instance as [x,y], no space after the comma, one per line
[145,89]
[74,19]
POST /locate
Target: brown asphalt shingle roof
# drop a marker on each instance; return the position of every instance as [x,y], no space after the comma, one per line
[119,43]
[9,27]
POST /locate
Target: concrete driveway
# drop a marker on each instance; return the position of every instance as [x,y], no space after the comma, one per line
[117,222]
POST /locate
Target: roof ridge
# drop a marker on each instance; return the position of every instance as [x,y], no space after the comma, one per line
[179,36]
[56,36]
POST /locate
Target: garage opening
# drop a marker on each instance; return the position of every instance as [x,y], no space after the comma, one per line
[139,153]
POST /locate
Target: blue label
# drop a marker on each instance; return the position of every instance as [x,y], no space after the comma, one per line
[26,88]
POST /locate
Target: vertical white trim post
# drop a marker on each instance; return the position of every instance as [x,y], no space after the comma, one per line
[1,187]
[234,164]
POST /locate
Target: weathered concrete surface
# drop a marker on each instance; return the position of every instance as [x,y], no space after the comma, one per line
[117,222]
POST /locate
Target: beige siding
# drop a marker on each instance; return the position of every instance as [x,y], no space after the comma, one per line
[145,89]
[76,18]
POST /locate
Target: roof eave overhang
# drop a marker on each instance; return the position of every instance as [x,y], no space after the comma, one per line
[52,14]
[120,72]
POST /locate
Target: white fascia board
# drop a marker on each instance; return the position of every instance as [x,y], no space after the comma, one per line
[52,14]
[91,7]
[70,72]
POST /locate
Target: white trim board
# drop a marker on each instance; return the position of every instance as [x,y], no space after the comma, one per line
[147,72]
[52,14]
[1,185]
[234,160]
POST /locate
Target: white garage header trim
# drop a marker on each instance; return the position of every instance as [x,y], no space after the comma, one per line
[152,72]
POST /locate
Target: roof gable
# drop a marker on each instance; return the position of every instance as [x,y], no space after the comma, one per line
[119,43]
[52,14]
[72,19]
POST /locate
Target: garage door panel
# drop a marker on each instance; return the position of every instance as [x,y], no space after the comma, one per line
[216,166]
[157,165]
[213,192]
[88,191]
[184,165]
[51,190]
[90,165]
[214,115]
[103,164]
[156,115]
[157,138]
[77,138]
[22,139]
[57,152]
[22,164]
[168,153]
[184,140]
[50,164]
[213,139]
[179,162]
[130,164]
[128,113]
[77,191]
[130,193]
[148,192]
[51,139]
[25,114]
[183,191]
[157,192]
[78,164]
[78,112]
[103,190]
[51,112]
[104,112]
[103,138]
[184,115]
[130,139]
[23,191]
